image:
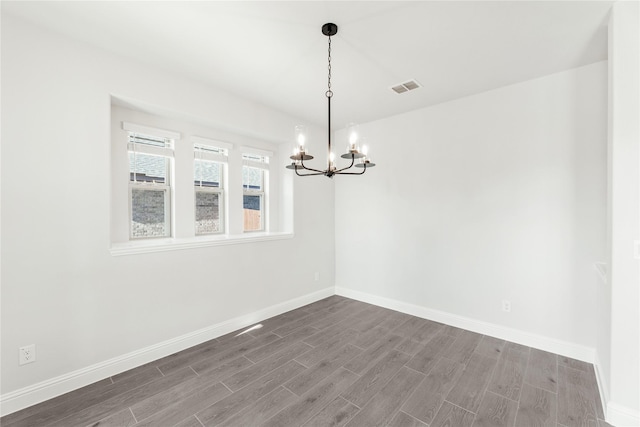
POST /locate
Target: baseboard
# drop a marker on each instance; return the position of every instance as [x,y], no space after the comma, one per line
[603,388]
[616,415]
[36,393]
[621,416]
[575,351]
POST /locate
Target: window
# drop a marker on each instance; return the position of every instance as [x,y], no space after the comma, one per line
[150,159]
[208,167]
[254,170]
[177,184]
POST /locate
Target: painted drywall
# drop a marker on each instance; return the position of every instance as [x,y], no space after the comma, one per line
[498,196]
[62,290]
[621,356]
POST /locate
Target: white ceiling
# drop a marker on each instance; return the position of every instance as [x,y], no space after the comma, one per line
[273,52]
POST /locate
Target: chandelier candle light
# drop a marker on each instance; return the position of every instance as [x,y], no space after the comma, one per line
[300,154]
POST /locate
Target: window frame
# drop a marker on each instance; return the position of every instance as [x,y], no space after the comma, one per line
[261,163]
[206,150]
[167,153]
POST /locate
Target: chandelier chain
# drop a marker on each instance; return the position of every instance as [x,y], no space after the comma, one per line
[329,91]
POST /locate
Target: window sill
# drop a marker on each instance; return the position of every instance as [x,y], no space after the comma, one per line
[164,245]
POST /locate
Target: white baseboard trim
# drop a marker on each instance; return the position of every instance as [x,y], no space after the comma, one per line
[621,416]
[603,388]
[36,393]
[575,351]
[616,415]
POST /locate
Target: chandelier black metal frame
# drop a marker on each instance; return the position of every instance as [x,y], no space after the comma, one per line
[301,155]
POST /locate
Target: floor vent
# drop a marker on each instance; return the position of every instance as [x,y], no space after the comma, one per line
[406,86]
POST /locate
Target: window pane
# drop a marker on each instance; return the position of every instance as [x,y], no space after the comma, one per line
[206,174]
[252,213]
[207,212]
[148,168]
[252,178]
[148,213]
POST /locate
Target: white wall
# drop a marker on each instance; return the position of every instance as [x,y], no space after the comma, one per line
[495,196]
[500,195]
[621,354]
[61,288]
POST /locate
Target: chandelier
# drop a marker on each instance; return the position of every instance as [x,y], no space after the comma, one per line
[301,155]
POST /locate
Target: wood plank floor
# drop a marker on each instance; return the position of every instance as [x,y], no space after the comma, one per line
[338,362]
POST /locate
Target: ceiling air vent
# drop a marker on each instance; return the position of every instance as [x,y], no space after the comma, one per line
[406,86]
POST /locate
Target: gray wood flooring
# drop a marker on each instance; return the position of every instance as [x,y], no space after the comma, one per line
[338,362]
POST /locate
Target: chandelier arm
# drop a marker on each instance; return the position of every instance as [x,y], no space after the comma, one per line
[353,159]
[306,168]
[309,174]
[353,173]
[311,169]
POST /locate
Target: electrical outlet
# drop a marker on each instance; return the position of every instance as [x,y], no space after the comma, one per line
[317,276]
[27,354]
[506,305]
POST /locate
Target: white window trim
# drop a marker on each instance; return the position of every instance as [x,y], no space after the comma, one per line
[164,152]
[264,167]
[145,246]
[223,160]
